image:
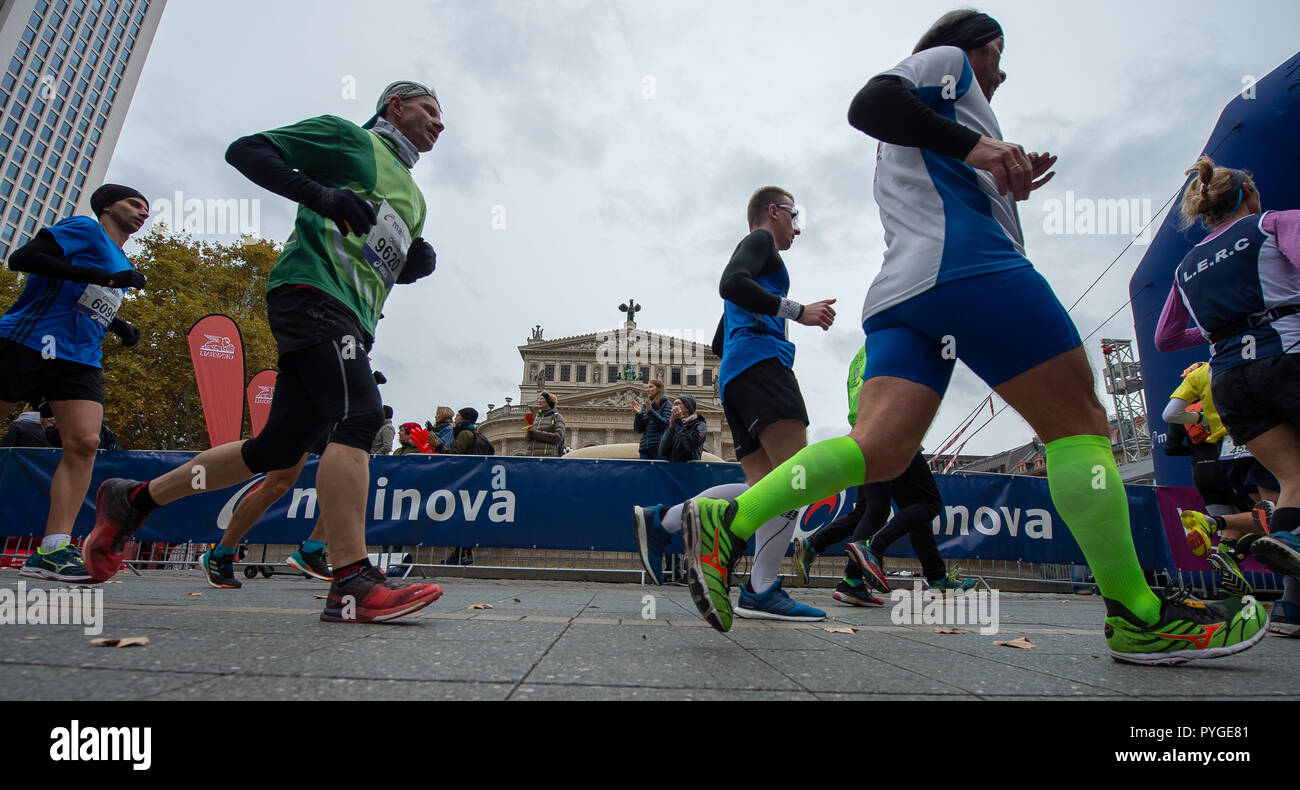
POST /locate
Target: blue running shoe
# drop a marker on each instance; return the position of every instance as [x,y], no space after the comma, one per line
[61,565]
[1285,620]
[775,604]
[651,539]
[1280,551]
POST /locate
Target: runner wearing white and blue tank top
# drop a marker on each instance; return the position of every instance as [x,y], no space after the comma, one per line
[954,274]
[1241,287]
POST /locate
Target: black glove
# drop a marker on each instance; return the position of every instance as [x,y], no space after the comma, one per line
[127,279]
[129,334]
[346,209]
[429,425]
[421,260]
[380,378]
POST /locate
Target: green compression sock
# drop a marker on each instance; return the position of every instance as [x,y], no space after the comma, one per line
[1088,493]
[813,473]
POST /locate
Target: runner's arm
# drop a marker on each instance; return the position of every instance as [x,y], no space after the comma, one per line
[886,110]
[262,163]
[1172,332]
[739,287]
[43,255]
[1176,412]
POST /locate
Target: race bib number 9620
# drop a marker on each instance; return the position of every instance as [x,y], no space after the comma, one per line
[386,246]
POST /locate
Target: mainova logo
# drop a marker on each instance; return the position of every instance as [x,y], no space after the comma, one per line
[228,509]
[264,394]
[817,515]
[496,505]
[217,346]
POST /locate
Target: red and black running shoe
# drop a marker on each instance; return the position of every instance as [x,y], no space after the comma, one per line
[369,597]
[115,521]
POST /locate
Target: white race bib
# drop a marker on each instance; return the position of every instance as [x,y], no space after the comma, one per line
[386,246]
[99,304]
[1229,450]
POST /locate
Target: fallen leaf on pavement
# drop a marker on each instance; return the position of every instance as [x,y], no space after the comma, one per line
[114,581]
[840,630]
[195,594]
[516,600]
[1021,642]
[949,631]
[127,641]
[480,606]
[321,597]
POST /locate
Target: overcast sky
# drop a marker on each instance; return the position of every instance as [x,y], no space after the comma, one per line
[620,141]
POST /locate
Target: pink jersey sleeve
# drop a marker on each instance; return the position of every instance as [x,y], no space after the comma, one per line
[1285,227]
[1172,332]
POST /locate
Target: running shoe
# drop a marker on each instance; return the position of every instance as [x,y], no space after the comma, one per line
[219,571]
[1199,528]
[952,583]
[802,559]
[115,521]
[1225,560]
[651,539]
[711,552]
[313,563]
[61,565]
[775,604]
[1186,630]
[855,596]
[1262,514]
[369,597]
[872,574]
[1285,620]
[1280,551]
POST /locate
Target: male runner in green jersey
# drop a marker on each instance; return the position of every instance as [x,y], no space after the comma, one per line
[357,233]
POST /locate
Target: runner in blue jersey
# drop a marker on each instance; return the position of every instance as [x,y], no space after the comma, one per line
[50,349]
[1241,288]
[953,276]
[760,396]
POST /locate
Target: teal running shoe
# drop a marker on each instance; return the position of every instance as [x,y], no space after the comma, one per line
[61,565]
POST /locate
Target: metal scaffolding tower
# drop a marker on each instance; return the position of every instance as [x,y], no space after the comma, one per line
[1123,377]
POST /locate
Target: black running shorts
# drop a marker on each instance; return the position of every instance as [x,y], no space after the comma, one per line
[762,394]
[25,375]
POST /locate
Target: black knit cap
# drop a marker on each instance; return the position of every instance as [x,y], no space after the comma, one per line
[109,194]
[469,414]
[968,33]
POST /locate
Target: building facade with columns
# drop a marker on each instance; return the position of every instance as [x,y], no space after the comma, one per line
[595,377]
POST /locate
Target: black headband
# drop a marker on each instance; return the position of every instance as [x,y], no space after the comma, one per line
[969,33]
[109,194]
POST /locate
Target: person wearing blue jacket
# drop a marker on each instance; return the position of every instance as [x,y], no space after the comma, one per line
[652,418]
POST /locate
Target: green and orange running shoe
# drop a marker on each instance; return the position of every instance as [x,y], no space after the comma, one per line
[711,550]
[1186,631]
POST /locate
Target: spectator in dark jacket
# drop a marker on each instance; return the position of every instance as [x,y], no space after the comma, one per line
[25,430]
[546,434]
[107,439]
[651,419]
[684,439]
[464,429]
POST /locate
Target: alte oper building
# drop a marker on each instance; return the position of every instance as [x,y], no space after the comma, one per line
[595,377]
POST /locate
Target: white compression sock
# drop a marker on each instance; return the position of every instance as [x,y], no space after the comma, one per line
[54,542]
[773,539]
[672,520]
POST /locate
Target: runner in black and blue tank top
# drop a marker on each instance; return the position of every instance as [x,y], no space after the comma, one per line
[1241,287]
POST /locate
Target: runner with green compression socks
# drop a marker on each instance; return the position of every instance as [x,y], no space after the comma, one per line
[947,185]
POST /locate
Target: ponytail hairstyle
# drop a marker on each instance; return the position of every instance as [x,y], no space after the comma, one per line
[1213,194]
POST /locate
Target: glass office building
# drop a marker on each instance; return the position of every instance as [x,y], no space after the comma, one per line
[68,69]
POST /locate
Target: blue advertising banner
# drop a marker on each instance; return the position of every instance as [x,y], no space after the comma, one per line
[582,504]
